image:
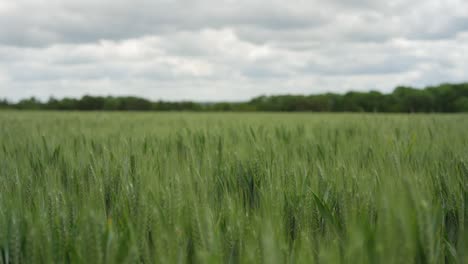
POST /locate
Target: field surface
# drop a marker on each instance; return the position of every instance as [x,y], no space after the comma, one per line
[233,188]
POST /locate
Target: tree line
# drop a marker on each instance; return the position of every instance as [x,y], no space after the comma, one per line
[442,98]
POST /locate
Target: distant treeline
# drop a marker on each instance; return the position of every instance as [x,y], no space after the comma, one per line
[441,98]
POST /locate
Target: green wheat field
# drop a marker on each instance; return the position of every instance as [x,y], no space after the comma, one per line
[233,188]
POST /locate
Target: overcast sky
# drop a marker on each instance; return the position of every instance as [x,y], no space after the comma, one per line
[211,50]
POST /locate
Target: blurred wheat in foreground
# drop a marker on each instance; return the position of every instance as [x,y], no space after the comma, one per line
[233,188]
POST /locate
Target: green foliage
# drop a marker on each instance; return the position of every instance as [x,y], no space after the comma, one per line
[233,188]
[4,104]
[461,104]
[442,98]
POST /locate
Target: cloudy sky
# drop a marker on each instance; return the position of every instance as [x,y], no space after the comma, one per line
[210,50]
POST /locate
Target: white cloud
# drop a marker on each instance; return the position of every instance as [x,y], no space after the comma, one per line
[227,50]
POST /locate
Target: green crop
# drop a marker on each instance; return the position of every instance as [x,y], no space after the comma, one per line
[233,188]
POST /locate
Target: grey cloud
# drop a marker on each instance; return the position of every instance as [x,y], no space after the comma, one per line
[33,23]
[82,21]
[441,29]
